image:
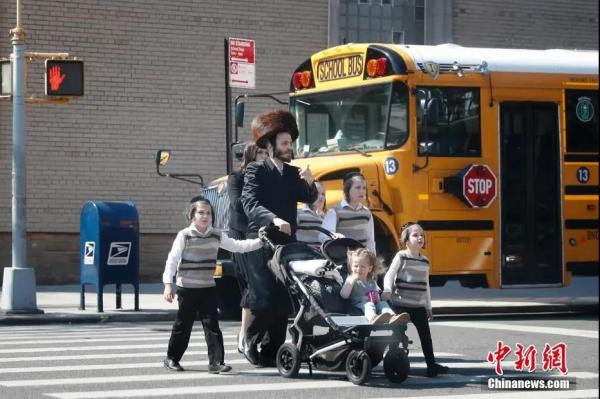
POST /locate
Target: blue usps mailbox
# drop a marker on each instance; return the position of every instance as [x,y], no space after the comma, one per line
[109,248]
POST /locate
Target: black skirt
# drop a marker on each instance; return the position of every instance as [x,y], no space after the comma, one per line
[240,262]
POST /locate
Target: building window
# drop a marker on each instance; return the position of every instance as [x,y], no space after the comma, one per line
[386,2]
[364,1]
[397,37]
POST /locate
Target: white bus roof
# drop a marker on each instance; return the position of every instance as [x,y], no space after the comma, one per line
[506,60]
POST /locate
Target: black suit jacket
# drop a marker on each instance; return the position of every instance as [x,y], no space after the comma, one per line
[268,194]
[237,217]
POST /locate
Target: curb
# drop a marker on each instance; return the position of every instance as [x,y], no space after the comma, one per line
[70,318]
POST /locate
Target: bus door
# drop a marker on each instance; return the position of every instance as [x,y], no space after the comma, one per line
[531,230]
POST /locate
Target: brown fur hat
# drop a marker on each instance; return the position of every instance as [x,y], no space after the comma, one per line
[268,124]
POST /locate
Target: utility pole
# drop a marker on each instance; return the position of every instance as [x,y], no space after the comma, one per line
[18,284]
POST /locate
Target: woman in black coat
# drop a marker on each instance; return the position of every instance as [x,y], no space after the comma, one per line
[238,224]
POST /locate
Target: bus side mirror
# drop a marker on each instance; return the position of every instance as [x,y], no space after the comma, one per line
[239,114]
[162,158]
[238,151]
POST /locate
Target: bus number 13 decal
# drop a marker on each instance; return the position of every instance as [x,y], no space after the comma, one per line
[390,166]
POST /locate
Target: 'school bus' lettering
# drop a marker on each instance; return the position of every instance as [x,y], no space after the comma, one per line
[340,68]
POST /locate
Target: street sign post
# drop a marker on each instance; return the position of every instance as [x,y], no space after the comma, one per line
[242,68]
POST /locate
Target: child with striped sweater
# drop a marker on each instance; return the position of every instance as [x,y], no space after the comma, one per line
[192,261]
[406,285]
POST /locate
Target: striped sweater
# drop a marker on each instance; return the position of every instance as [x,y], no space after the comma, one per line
[407,280]
[193,256]
[309,218]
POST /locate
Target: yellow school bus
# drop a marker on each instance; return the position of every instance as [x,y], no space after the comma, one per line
[493,151]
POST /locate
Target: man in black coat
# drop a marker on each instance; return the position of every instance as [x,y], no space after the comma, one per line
[272,190]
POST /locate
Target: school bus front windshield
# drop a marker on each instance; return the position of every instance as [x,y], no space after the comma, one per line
[364,119]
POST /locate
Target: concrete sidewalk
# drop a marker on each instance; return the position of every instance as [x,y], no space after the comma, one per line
[60,303]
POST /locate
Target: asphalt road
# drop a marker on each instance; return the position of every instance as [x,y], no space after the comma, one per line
[125,360]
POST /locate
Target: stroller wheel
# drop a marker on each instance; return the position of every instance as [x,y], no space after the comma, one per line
[358,367]
[376,354]
[288,361]
[396,365]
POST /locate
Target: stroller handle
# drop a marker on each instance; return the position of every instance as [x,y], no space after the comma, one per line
[317,228]
[269,229]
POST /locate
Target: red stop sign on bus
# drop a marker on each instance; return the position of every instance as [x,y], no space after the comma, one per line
[479,186]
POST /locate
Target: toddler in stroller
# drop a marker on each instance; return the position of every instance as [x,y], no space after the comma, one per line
[314,280]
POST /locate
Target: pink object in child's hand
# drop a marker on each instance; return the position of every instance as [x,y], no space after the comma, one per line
[373,296]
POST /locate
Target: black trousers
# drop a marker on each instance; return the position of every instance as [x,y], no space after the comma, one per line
[418,316]
[267,328]
[269,304]
[240,264]
[193,301]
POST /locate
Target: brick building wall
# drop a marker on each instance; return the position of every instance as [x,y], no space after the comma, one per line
[530,24]
[153,79]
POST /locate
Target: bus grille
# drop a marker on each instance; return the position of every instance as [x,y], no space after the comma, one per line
[220,203]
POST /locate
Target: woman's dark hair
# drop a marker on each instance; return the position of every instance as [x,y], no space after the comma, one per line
[318,183]
[192,207]
[349,181]
[249,155]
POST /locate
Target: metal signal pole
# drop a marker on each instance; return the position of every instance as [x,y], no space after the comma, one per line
[18,284]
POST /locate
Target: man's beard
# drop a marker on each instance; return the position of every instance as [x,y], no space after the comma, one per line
[283,156]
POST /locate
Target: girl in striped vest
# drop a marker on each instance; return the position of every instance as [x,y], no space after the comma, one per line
[406,284]
[351,218]
[312,216]
[192,261]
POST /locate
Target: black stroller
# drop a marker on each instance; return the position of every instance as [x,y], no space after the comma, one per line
[314,292]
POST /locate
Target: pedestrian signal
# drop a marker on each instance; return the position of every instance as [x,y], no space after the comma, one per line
[64,78]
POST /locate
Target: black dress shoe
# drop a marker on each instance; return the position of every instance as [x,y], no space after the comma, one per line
[250,352]
[218,368]
[172,365]
[436,369]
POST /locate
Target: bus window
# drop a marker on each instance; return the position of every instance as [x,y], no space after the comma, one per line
[347,120]
[398,124]
[582,120]
[456,130]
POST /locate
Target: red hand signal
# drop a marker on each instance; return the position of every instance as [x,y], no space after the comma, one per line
[56,78]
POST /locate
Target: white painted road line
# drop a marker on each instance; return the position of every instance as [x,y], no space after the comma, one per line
[201,390]
[122,355]
[93,348]
[583,394]
[112,366]
[514,327]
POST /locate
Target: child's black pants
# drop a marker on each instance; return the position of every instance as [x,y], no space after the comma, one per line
[418,316]
[192,301]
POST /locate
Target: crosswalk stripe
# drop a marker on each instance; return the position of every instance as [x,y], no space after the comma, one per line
[201,390]
[121,355]
[40,331]
[112,366]
[105,339]
[90,348]
[583,394]
[514,327]
[266,372]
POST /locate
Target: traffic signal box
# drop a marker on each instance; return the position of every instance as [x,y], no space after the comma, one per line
[64,78]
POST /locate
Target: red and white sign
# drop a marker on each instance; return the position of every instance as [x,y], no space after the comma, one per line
[479,186]
[242,69]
